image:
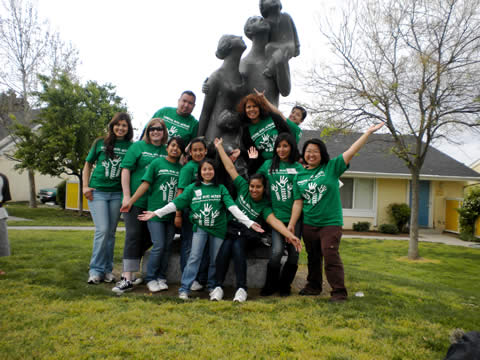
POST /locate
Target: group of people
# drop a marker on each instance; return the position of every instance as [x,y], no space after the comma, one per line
[172,178]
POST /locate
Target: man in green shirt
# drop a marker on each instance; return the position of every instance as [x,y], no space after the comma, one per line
[180,121]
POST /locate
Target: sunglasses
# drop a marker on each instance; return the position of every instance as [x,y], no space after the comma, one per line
[153,128]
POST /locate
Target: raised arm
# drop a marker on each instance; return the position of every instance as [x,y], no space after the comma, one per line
[227,162]
[357,145]
[272,107]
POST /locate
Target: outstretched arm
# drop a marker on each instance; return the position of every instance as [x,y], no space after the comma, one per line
[227,162]
[357,145]
[282,229]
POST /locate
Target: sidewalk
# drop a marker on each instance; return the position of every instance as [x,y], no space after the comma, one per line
[426,235]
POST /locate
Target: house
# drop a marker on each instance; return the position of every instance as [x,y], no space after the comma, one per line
[377,178]
[19,184]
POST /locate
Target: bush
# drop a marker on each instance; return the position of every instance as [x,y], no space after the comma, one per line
[469,211]
[388,229]
[361,226]
[399,215]
[61,192]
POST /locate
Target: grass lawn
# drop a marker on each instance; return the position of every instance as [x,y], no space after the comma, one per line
[46,215]
[409,309]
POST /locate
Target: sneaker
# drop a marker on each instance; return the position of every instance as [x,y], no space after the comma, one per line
[309,291]
[94,280]
[196,286]
[183,295]
[162,284]
[137,280]
[216,294]
[123,286]
[240,295]
[153,286]
[109,278]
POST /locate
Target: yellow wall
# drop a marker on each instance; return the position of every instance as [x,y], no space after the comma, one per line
[389,191]
[71,201]
[477,227]
[441,191]
[348,221]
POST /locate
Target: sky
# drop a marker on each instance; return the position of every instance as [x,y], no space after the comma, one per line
[152,50]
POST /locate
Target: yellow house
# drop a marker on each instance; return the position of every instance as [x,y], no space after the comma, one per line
[376,178]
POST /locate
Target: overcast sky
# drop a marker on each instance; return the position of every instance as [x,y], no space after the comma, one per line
[152,50]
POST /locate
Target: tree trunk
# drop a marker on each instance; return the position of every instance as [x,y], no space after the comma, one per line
[80,195]
[415,190]
[31,184]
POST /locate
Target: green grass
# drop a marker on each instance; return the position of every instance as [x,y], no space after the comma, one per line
[48,311]
[46,215]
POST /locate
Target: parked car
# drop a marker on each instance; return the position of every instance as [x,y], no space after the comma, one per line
[47,195]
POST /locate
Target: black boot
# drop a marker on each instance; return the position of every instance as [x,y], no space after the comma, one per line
[271,281]
[286,279]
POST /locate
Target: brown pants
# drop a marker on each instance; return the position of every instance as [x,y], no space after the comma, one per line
[324,242]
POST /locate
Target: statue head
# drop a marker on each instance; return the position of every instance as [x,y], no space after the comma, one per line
[270,6]
[255,25]
[227,43]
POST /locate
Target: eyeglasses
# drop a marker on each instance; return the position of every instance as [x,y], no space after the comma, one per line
[153,128]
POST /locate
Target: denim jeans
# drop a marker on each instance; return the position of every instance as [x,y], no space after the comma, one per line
[199,240]
[162,234]
[105,210]
[186,247]
[278,246]
[137,239]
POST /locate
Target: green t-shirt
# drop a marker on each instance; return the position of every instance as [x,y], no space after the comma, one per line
[188,174]
[106,175]
[208,204]
[295,129]
[321,194]
[162,175]
[251,208]
[281,187]
[184,126]
[263,134]
[137,159]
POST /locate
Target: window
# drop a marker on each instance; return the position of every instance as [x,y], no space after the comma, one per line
[357,193]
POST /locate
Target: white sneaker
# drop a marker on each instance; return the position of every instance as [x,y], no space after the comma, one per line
[162,284]
[196,286]
[183,295]
[109,278]
[153,286]
[94,280]
[240,295]
[137,280]
[216,294]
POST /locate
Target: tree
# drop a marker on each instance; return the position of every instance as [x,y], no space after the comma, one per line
[412,64]
[28,48]
[72,118]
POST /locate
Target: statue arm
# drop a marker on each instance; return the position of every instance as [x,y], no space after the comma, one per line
[208,105]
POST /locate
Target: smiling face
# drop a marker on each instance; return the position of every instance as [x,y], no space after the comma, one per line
[120,129]
[253,111]
[283,150]
[296,116]
[312,155]
[198,151]
[207,172]
[156,132]
[256,189]
[173,151]
[185,105]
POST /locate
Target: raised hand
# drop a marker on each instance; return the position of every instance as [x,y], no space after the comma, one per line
[252,153]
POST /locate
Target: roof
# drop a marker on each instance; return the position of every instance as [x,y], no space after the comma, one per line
[376,159]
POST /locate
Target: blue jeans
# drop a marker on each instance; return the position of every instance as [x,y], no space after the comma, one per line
[199,240]
[105,210]
[162,234]
[279,244]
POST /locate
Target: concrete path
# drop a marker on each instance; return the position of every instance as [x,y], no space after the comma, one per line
[425,235]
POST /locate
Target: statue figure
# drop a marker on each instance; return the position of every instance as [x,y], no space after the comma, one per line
[283,42]
[223,90]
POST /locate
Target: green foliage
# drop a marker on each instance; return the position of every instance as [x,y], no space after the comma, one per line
[388,229]
[415,304]
[399,215]
[61,193]
[73,116]
[361,226]
[469,212]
